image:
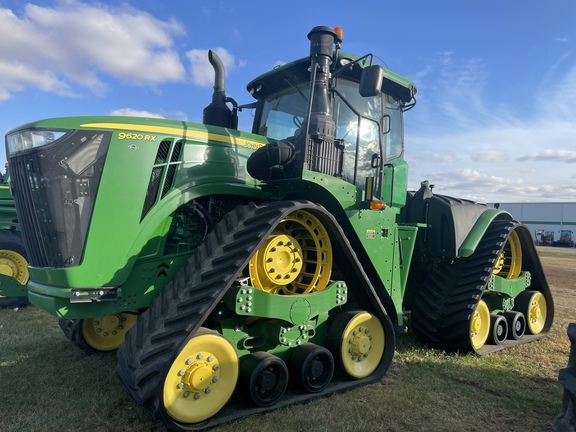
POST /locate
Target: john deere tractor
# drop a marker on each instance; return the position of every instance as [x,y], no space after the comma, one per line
[237,272]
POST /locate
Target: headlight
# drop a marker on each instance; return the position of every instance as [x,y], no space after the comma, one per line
[28,139]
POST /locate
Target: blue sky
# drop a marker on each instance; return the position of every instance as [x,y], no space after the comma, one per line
[496,114]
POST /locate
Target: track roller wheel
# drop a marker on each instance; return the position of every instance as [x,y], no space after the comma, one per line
[202,377]
[265,377]
[313,366]
[516,324]
[498,329]
[533,305]
[101,334]
[480,325]
[295,259]
[107,333]
[356,338]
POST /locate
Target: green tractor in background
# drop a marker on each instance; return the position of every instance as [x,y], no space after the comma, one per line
[239,272]
[13,263]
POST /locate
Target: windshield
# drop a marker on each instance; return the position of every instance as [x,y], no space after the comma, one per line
[284,113]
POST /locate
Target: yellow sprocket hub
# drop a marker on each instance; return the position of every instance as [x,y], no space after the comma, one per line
[509,262]
[295,259]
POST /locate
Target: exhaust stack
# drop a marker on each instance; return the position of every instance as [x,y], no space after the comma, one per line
[218,113]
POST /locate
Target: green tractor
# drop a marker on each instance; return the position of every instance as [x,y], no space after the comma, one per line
[238,272]
[13,263]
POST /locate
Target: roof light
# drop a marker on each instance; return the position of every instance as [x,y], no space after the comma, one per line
[339,34]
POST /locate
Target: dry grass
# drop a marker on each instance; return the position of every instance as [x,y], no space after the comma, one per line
[47,384]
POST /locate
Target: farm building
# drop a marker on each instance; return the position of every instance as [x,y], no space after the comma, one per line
[551,223]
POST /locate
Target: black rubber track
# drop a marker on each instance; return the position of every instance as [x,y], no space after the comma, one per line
[182,306]
[443,308]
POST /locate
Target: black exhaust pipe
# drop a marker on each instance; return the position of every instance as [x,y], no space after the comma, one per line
[218,113]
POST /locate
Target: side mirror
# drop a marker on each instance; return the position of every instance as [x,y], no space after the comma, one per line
[371,81]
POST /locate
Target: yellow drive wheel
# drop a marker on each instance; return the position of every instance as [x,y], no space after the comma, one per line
[480,325]
[14,265]
[107,333]
[357,341]
[295,259]
[533,305]
[202,378]
[509,263]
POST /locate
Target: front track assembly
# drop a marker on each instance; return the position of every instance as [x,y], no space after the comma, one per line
[167,332]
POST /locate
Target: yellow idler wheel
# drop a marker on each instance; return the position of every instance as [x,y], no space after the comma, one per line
[295,259]
[357,341]
[480,325]
[14,265]
[202,378]
[533,305]
[107,333]
[509,263]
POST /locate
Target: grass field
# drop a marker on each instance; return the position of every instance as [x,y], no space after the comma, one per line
[47,384]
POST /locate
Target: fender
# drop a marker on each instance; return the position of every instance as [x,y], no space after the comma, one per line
[471,242]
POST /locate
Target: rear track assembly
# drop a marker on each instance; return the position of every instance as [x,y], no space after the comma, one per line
[443,308]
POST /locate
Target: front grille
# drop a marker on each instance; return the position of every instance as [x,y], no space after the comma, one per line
[54,190]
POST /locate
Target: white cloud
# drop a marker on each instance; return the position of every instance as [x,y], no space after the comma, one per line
[552,155]
[75,44]
[129,112]
[492,152]
[490,156]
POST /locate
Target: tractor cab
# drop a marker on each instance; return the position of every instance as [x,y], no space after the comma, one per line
[332,113]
